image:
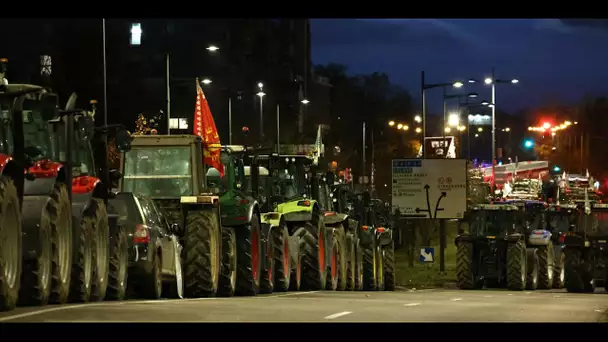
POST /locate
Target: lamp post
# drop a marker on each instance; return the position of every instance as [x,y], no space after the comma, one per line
[261,94]
[423,88]
[446,97]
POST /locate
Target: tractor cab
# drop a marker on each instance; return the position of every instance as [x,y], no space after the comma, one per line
[533,211]
[561,218]
[495,220]
[287,178]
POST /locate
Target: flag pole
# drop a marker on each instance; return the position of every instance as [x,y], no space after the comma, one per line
[229,119]
[105,75]
[167,76]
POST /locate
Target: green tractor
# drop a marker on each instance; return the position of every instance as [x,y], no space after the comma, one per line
[246,262]
[170,170]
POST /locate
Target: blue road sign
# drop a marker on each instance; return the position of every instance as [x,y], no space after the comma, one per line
[427,254]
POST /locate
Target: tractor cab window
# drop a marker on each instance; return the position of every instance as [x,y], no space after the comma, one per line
[6,136]
[597,223]
[492,222]
[159,171]
[560,221]
[38,144]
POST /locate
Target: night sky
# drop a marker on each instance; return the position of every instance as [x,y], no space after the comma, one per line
[553,61]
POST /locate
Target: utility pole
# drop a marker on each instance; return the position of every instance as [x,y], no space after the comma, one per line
[168,84]
[105,76]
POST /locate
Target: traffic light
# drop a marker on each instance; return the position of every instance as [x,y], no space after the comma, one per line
[529,143]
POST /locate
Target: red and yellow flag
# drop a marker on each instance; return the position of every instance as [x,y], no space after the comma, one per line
[204,127]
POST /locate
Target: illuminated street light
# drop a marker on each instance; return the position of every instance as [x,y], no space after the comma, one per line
[488,80]
[405,127]
[453,120]
[476,135]
[472,95]
[515,81]
[568,123]
[399,126]
[391,123]
[447,129]
[305,101]
[461,128]
[546,125]
[576,122]
[479,129]
[418,130]
[261,94]
[418,118]
[260,85]
[552,134]
[206,81]
[458,84]
[507,129]
[213,48]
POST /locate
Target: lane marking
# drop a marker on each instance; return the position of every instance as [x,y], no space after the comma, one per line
[455,299]
[509,294]
[598,310]
[127,302]
[528,292]
[411,304]
[487,296]
[339,314]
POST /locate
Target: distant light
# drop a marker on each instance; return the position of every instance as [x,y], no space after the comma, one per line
[457,84]
[206,81]
[499,163]
[447,129]
[507,129]
[568,123]
[213,48]
[485,103]
[528,143]
[461,128]
[391,123]
[479,129]
[418,130]
[515,81]
[453,120]
[552,134]
[418,118]
[488,80]
[399,126]
[305,101]
[557,168]
[576,122]
[260,85]
[476,135]
[546,125]
[261,94]
[405,127]
[472,80]
[136,32]
[472,95]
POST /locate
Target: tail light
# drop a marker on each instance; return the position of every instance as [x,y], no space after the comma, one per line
[562,238]
[330,213]
[364,228]
[380,229]
[304,203]
[142,234]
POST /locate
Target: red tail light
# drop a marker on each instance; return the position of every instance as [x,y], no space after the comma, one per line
[562,238]
[305,203]
[142,234]
[330,213]
[380,229]
[364,228]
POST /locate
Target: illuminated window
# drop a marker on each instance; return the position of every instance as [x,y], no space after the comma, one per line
[178,123]
[136,34]
[46,65]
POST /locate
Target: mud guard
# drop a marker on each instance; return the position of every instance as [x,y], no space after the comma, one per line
[513,238]
[539,237]
[386,237]
[31,215]
[335,219]
[39,186]
[367,236]
[299,216]
[179,280]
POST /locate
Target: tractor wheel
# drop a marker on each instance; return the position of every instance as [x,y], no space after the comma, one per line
[314,266]
[559,273]
[388,254]
[359,274]
[267,275]
[295,278]
[339,235]
[119,265]
[350,263]
[333,269]
[280,251]
[516,266]
[578,278]
[249,267]
[227,281]
[465,278]
[36,273]
[380,269]
[10,244]
[58,213]
[201,253]
[82,265]
[370,266]
[545,266]
[101,248]
[533,266]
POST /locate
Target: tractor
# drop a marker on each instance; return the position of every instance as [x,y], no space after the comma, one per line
[246,267]
[493,250]
[560,217]
[585,250]
[170,170]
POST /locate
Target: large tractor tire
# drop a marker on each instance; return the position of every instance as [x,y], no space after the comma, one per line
[351,268]
[267,275]
[101,248]
[388,261]
[10,244]
[36,273]
[201,253]
[227,281]
[249,254]
[578,277]
[545,266]
[314,264]
[533,266]
[516,266]
[82,265]
[465,278]
[119,265]
[279,236]
[359,274]
[340,236]
[295,279]
[380,269]
[559,273]
[58,214]
[333,269]
[370,266]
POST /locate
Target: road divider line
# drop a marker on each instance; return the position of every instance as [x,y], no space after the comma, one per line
[487,296]
[339,314]
[455,299]
[47,310]
[411,304]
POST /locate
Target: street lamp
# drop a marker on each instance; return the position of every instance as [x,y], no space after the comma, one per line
[418,130]
[417,119]
[305,101]
[212,48]
[206,81]
[479,129]
[399,126]
[391,123]
[405,127]
[261,94]
[447,129]
[453,120]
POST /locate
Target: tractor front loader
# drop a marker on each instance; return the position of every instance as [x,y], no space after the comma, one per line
[170,170]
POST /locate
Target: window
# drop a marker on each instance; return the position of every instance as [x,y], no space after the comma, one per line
[46,65]
[136,34]
[178,123]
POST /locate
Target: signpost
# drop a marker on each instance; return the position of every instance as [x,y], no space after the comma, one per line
[430,188]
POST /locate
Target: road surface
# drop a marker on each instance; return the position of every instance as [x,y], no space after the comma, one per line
[438,305]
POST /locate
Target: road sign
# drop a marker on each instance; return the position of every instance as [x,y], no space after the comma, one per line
[413,179]
[427,254]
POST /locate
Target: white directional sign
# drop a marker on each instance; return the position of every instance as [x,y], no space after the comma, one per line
[421,185]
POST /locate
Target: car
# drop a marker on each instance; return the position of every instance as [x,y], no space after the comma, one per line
[154,248]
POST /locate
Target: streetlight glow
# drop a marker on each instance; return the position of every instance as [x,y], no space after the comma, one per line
[305,101]
[399,126]
[453,120]
[485,103]
[405,127]
[260,85]
[457,84]
[418,119]
[472,80]
[206,81]
[418,130]
[213,48]
[461,128]
[476,135]
[515,81]
[447,129]
[261,94]
[472,95]
[507,129]
[546,125]
[479,129]
[391,123]
[488,80]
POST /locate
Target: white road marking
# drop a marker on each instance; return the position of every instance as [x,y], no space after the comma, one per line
[528,292]
[455,299]
[556,296]
[487,296]
[509,294]
[598,310]
[411,304]
[339,314]
[160,301]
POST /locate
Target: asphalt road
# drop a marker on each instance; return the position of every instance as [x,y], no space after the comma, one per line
[400,306]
